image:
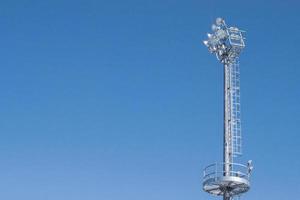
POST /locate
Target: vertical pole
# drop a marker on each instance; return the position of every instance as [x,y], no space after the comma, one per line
[227,154]
[226,198]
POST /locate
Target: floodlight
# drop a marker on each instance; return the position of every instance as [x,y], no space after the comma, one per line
[221,34]
[209,35]
[219,21]
[214,27]
[205,42]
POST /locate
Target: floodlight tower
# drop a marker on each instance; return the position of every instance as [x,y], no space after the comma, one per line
[228,179]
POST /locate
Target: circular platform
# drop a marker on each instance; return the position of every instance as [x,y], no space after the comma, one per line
[233,183]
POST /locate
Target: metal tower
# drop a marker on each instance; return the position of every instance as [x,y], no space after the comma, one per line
[228,179]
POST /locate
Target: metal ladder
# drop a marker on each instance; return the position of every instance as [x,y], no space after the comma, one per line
[235,109]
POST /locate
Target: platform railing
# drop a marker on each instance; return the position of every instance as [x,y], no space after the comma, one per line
[216,170]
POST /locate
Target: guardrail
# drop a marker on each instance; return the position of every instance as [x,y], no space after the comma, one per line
[216,170]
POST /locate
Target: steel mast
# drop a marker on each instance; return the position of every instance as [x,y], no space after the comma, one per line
[228,179]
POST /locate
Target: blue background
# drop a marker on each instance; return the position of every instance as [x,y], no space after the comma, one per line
[121,100]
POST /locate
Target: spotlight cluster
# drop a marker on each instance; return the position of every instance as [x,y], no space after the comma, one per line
[226,43]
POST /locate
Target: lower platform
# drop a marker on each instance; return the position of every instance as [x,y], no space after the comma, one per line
[235,182]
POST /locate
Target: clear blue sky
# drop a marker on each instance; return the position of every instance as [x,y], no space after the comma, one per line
[111,100]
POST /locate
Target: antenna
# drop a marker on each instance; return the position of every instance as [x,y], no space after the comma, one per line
[228,179]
